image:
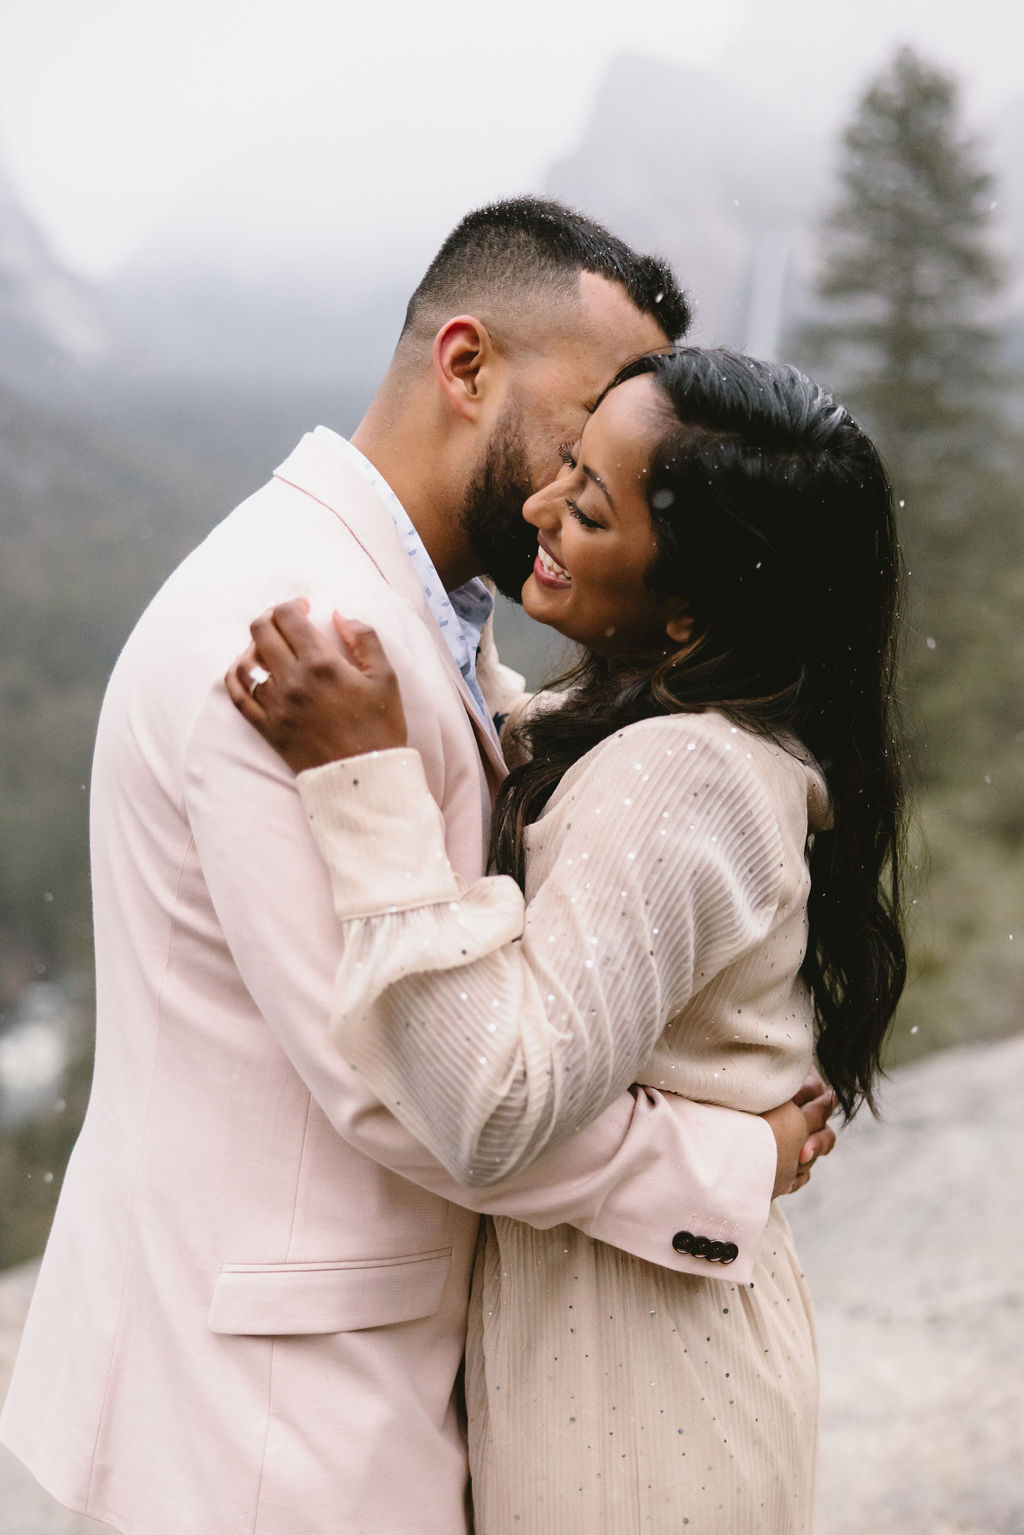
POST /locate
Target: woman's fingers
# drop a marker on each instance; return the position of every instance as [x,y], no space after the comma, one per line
[274,648]
[313,697]
[285,646]
[245,681]
[362,645]
[238,682]
[290,622]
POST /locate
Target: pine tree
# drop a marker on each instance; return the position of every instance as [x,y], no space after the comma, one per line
[905,331]
[908,272]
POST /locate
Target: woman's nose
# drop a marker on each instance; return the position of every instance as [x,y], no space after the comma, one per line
[532,508]
[539,508]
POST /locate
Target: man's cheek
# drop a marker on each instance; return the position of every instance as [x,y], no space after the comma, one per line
[545,470]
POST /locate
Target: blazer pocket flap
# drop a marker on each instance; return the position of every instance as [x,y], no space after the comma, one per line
[283,1298]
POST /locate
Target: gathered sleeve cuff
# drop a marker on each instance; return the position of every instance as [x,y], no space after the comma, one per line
[380,833]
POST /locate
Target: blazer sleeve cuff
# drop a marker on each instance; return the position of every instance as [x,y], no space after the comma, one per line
[702,1210]
[380,832]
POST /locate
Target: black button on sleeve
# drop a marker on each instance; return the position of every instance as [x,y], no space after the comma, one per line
[730,1252]
[683,1241]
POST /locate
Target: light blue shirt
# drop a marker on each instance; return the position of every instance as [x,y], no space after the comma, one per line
[460,615]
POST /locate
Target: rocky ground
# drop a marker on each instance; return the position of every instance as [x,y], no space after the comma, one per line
[913,1241]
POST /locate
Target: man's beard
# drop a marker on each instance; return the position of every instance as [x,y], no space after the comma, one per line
[492,510]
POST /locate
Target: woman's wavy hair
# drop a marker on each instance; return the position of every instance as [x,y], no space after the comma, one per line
[773,519]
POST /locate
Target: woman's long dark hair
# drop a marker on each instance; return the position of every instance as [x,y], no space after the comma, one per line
[773,519]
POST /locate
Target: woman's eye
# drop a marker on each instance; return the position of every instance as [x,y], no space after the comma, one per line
[566,454]
[581,517]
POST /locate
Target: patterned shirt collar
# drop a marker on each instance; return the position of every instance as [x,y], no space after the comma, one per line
[460,615]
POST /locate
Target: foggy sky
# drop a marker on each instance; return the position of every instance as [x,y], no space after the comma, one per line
[255,135]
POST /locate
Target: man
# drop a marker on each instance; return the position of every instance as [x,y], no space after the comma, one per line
[251,1311]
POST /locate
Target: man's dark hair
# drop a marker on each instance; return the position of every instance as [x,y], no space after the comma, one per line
[531,245]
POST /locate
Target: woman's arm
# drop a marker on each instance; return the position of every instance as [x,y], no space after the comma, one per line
[494,1029]
[494,1033]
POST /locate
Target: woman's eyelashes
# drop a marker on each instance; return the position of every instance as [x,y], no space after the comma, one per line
[581,517]
[567,454]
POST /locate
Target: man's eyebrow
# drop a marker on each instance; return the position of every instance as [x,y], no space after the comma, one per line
[602,487]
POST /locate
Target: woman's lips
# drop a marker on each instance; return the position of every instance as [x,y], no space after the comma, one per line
[547,569]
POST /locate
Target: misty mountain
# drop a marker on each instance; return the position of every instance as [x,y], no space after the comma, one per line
[678,162]
[673,159]
[265,333]
[731,188]
[727,183]
[47,316]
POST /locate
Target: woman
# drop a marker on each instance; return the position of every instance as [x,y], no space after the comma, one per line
[695,861]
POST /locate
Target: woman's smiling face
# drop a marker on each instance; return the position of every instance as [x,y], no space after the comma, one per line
[594,531]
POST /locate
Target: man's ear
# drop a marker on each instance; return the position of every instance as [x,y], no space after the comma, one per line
[463,354]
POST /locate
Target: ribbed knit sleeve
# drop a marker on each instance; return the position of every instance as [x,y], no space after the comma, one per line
[495,1028]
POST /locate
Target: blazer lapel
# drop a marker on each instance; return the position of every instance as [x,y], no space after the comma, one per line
[320,467]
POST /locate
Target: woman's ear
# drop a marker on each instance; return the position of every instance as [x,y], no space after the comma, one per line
[679,627]
[462,352]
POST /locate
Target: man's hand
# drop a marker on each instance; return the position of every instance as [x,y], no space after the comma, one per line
[802,1133]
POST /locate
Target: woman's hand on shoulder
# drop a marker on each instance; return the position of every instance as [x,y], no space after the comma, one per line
[315,697]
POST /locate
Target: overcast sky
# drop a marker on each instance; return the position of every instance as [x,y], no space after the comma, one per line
[251,128]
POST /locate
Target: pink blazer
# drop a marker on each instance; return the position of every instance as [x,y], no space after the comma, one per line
[251,1310]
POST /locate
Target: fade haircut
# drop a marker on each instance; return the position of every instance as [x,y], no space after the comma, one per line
[529,250]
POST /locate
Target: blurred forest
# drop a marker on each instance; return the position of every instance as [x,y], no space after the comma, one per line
[907,322]
[120,447]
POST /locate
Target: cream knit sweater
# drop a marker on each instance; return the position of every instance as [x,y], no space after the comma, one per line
[660,941]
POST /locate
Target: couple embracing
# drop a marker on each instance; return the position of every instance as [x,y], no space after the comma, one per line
[368,971]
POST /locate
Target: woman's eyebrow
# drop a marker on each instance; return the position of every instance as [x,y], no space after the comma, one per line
[602,487]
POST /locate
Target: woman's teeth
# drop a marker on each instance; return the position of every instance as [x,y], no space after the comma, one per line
[550,566]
